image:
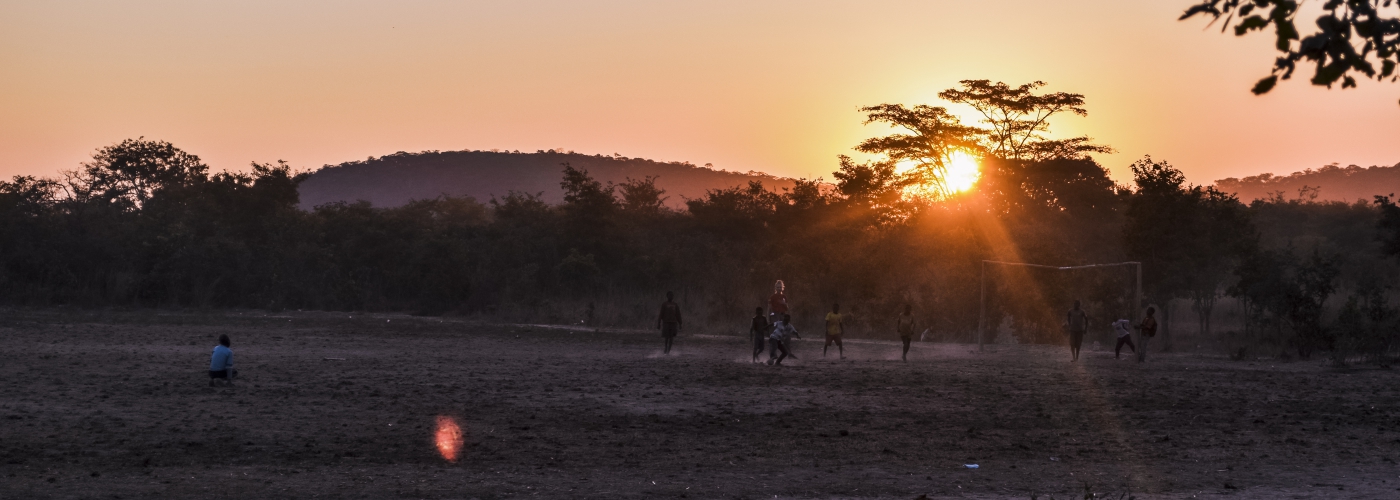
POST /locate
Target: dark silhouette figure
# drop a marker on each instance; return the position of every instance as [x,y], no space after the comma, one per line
[1120,328]
[1078,323]
[904,325]
[669,321]
[1149,330]
[758,332]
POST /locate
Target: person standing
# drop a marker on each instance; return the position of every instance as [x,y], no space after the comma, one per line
[1148,327]
[221,362]
[777,341]
[1078,323]
[1120,328]
[904,325]
[758,332]
[777,303]
[669,321]
[834,330]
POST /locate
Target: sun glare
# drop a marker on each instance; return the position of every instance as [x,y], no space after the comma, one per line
[963,172]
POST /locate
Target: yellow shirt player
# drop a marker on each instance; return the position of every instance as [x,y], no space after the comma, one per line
[834,329]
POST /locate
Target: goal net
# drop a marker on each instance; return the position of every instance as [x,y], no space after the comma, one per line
[1117,307]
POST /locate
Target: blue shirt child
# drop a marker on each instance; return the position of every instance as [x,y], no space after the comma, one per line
[222,359]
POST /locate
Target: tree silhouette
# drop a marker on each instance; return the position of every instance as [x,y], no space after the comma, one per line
[129,173]
[931,137]
[1019,118]
[1189,238]
[642,195]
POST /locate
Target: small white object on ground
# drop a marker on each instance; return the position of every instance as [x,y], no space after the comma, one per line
[970,466]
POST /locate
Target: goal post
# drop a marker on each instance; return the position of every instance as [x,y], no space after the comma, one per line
[982,313]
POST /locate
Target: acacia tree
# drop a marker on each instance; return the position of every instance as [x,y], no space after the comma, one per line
[931,137]
[1351,37]
[1019,119]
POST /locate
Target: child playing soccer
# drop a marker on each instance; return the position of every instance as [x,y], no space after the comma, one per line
[782,331]
[1120,328]
[834,330]
[1149,330]
[758,332]
[904,325]
[669,321]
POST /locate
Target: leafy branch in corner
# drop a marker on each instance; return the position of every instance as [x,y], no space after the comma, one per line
[1353,37]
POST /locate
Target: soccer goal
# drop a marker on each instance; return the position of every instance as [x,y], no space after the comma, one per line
[982,313]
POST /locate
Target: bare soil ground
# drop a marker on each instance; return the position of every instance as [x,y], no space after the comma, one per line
[117,405]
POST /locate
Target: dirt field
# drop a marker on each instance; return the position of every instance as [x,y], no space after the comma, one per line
[117,405]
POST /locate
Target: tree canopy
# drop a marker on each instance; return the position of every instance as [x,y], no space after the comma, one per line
[1018,128]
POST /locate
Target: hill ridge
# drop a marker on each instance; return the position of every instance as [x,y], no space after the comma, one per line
[397,178]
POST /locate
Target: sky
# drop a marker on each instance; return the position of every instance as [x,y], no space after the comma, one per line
[742,85]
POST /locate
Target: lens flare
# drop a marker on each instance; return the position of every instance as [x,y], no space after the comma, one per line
[449,438]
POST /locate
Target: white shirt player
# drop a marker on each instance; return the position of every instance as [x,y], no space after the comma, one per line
[1121,327]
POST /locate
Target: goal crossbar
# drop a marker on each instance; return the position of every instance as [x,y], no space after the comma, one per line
[982,313]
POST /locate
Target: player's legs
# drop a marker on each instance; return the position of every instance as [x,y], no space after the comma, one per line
[906,341]
[840,348]
[225,375]
[1123,341]
[783,354]
[1075,340]
[669,331]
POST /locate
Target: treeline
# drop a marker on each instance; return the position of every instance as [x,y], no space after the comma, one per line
[145,224]
[1328,183]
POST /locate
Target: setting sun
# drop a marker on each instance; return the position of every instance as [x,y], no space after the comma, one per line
[963,172]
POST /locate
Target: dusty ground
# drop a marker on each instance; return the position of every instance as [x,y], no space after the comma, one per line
[116,405]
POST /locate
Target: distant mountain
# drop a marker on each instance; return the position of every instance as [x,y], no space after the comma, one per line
[396,179]
[1331,182]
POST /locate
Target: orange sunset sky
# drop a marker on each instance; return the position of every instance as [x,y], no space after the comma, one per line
[744,85]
